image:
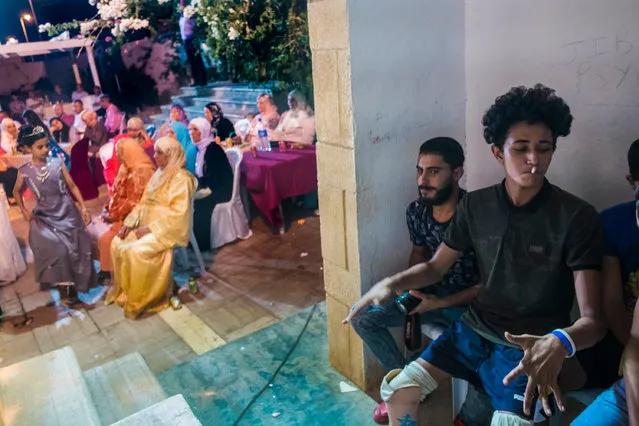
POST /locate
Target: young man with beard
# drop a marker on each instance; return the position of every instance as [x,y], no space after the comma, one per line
[439,168]
[537,246]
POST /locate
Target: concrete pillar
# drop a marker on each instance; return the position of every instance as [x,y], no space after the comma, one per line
[387,76]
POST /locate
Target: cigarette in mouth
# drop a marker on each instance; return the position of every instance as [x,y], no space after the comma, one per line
[533,170]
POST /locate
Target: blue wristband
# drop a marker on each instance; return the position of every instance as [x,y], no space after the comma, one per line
[566,340]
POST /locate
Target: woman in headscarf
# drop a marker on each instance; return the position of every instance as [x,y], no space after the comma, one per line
[176,115]
[8,136]
[33,119]
[62,132]
[136,169]
[223,127]
[180,131]
[142,253]
[215,180]
[298,123]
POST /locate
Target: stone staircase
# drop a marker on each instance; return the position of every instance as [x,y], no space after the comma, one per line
[236,101]
[51,389]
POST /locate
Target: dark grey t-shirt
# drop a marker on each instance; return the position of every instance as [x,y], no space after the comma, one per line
[527,256]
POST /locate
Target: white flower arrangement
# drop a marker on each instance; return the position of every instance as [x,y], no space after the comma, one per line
[189,11]
[112,9]
[233,33]
[133,24]
[163,1]
[44,27]
[88,27]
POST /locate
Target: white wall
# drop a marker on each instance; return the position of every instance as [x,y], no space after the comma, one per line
[16,74]
[586,49]
[407,79]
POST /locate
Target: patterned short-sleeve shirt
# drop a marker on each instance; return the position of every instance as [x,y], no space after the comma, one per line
[425,231]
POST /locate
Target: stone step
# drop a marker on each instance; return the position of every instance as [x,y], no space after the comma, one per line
[46,390]
[222,91]
[123,387]
[228,108]
[173,411]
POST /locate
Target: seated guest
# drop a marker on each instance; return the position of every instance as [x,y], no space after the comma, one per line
[58,96]
[8,136]
[78,110]
[58,112]
[113,116]
[537,247]
[55,151]
[142,253]
[268,114]
[620,291]
[95,102]
[179,131]
[61,131]
[135,171]
[298,123]
[439,168]
[35,103]
[79,94]
[136,131]
[16,106]
[223,127]
[95,131]
[215,180]
[177,114]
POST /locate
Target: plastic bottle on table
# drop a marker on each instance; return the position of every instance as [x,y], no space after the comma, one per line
[263,143]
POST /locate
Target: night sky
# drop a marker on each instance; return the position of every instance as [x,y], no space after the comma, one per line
[54,11]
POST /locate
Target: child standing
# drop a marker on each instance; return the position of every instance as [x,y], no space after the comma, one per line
[57,232]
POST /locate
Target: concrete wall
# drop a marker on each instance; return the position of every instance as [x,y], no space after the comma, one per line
[16,74]
[407,77]
[588,51]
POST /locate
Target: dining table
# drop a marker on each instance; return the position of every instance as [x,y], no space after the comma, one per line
[272,176]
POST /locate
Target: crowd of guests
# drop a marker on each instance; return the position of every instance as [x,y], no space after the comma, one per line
[498,270]
[156,190]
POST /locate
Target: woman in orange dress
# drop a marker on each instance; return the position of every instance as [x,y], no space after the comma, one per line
[136,169]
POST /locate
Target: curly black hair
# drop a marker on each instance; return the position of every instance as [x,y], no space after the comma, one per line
[534,105]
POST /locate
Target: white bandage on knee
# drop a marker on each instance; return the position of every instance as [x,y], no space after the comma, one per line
[413,375]
[508,419]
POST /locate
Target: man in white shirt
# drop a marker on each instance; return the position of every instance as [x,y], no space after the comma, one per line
[78,110]
[79,93]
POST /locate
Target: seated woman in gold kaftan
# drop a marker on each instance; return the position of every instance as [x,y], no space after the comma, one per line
[142,253]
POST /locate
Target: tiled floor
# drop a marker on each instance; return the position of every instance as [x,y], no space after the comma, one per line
[252,284]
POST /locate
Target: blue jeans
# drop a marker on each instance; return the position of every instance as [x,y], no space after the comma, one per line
[372,326]
[609,409]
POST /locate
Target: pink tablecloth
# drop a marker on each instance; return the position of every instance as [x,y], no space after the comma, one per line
[274,176]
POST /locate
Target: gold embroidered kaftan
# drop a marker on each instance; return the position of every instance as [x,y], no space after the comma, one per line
[142,268]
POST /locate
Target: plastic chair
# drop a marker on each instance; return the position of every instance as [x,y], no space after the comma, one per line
[228,221]
[81,172]
[181,251]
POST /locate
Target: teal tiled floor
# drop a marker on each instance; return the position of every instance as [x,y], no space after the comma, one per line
[219,384]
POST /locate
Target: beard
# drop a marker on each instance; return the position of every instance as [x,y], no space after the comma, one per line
[441,195]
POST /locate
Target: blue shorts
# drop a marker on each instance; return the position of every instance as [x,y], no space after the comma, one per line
[609,409]
[464,354]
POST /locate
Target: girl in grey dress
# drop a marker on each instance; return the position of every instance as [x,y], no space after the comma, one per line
[57,232]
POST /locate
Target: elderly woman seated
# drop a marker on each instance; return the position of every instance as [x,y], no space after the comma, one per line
[136,169]
[142,253]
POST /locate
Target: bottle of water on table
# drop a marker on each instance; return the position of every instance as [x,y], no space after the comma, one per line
[263,143]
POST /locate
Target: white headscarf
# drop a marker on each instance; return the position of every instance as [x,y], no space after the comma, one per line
[8,142]
[175,153]
[206,138]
